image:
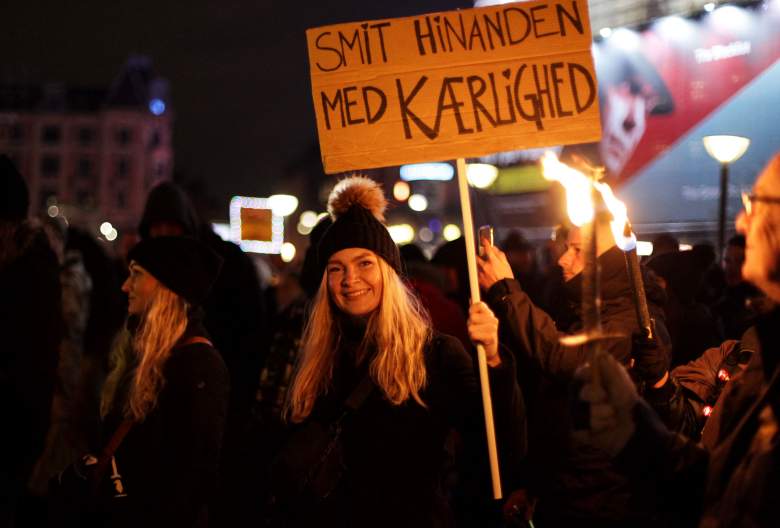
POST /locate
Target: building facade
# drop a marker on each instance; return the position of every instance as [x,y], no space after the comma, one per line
[92,153]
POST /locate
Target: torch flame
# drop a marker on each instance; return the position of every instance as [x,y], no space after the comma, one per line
[625,239]
[579,203]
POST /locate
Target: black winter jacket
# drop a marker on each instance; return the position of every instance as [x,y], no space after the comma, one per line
[690,402]
[394,453]
[31,326]
[169,461]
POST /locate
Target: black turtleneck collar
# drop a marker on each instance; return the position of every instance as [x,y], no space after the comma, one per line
[352,332]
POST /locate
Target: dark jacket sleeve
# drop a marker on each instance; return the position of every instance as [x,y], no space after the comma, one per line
[464,405]
[681,400]
[532,334]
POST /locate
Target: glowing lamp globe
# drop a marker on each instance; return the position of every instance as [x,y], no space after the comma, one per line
[726,149]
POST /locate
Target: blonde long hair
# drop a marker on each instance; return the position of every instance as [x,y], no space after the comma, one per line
[399,329]
[162,325]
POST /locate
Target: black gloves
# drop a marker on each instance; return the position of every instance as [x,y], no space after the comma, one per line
[651,357]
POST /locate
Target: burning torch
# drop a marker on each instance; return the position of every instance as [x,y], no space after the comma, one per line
[581,195]
[625,239]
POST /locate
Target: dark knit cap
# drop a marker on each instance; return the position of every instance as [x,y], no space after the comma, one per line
[356,203]
[184,265]
[14,198]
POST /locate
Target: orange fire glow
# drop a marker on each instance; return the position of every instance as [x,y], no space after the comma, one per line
[579,203]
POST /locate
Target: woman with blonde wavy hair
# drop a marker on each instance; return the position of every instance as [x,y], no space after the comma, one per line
[165,400]
[371,362]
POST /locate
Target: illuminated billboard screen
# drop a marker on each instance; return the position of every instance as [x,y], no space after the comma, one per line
[661,90]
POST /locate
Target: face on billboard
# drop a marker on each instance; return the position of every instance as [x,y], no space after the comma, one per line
[623,125]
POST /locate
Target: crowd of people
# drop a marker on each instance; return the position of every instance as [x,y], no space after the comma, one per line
[173,389]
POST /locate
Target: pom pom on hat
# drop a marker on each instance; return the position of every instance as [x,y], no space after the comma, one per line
[357,190]
[357,205]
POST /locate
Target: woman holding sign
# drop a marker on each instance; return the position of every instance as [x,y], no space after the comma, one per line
[377,390]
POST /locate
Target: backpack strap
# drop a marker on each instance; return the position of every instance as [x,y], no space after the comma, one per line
[108,452]
[104,459]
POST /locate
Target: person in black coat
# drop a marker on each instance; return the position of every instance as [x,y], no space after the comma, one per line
[366,327]
[167,393]
[732,478]
[574,484]
[31,328]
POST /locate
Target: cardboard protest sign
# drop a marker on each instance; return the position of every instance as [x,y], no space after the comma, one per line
[453,84]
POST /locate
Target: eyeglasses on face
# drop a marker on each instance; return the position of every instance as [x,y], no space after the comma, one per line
[748,199]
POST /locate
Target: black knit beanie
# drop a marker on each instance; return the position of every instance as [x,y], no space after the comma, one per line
[14,198]
[357,207]
[183,265]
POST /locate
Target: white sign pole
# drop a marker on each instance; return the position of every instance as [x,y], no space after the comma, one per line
[487,402]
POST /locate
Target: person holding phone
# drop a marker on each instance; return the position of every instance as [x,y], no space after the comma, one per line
[731,478]
[575,485]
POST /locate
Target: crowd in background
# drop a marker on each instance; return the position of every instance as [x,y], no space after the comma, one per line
[64,310]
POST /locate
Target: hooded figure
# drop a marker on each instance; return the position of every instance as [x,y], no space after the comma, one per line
[31,328]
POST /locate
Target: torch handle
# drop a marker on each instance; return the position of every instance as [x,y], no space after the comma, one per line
[591,288]
[638,291]
[471,260]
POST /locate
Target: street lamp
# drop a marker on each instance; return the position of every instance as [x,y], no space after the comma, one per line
[724,149]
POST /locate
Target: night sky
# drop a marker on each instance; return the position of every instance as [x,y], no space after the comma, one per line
[238,70]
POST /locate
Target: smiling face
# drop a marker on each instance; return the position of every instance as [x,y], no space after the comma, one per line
[140,288]
[355,281]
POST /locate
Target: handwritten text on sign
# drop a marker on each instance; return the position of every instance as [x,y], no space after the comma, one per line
[453,84]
